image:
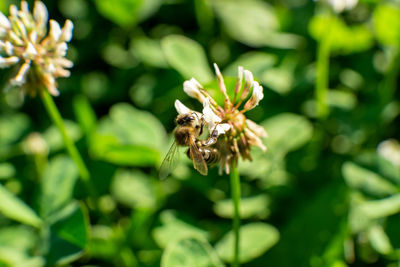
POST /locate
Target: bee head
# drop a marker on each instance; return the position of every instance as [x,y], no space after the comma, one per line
[185,119]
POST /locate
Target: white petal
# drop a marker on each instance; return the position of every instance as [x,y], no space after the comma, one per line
[20,78]
[192,89]
[40,12]
[55,30]
[61,49]
[222,128]
[67,31]
[248,77]
[9,48]
[24,6]
[4,22]
[209,116]
[8,61]
[30,51]
[181,108]
[257,92]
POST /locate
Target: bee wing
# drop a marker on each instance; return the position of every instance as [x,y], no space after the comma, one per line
[198,161]
[170,161]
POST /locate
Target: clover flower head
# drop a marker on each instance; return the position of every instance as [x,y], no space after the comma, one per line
[39,56]
[236,134]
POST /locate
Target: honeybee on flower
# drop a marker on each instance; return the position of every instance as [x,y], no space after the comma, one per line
[38,55]
[230,134]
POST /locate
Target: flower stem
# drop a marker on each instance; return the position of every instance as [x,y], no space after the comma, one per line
[71,148]
[235,191]
[322,79]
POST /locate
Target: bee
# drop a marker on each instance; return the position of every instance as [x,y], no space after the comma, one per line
[189,128]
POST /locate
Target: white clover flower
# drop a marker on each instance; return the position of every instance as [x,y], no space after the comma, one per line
[239,133]
[39,58]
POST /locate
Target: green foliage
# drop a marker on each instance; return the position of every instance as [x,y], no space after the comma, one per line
[255,240]
[187,57]
[190,252]
[331,185]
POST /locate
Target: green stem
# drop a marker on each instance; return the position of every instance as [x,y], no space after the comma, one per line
[322,79]
[235,191]
[71,148]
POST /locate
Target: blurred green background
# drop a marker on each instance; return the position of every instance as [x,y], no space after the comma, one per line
[326,193]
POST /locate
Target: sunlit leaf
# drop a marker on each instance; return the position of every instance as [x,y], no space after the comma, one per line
[14,257]
[384,15]
[7,170]
[344,39]
[14,208]
[190,252]
[19,237]
[249,207]
[287,132]
[149,51]
[255,240]
[256,62]
[13,127]
[253,23]
[174,229]
[133,189]
[57,184]
[129,137]
[379,240]
[366,180]
[127,12]
[187,57]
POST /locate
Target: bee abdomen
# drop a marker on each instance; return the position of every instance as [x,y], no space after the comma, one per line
[210,155]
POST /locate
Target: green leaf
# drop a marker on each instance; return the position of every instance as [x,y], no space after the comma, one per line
[174,229]
[256,62]
[342,99]
[134,189]
[253,23]
[379,240]
[14,208]
[381,208]
[256,206]
[13,126]
[384,15]
[255,240]
[344,39]
[7,170]
[57,185]
[149,51]
[68,234]
[85,115]
[187,57]
[13,257]
[367,181]
[127,12]
[19,237]
[287,132]
[190,252]
[129,137]
[53,137]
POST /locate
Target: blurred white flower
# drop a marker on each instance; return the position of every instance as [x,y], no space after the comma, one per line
[39,58]
[341,5]
[390,150]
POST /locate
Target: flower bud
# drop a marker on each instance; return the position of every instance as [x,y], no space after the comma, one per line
[192,89]
[255,97]
[181,108]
